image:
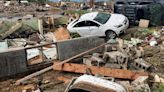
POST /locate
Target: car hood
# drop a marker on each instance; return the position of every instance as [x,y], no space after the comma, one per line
[116,19]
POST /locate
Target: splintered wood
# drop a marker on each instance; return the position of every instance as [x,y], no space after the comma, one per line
[62,34]
[144,23]
[116,73]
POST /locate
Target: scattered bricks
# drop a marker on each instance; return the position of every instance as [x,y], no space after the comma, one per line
[139,52]
[94,60]
[116,57]
[140,80]
[108,48]
[87,60]
[141,64]
[115,73]
[31,88]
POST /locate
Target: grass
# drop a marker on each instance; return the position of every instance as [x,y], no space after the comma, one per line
[160,88]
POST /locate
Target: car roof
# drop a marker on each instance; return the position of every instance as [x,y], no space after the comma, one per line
[88,16]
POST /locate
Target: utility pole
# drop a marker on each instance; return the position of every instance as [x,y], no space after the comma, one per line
[91,3]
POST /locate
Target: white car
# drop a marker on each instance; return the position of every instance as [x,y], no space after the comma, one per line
[99,24]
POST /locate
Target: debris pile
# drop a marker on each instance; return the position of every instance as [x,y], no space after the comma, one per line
[86,64]
[15,8]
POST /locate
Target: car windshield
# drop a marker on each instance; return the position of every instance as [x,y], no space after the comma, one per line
[102,17]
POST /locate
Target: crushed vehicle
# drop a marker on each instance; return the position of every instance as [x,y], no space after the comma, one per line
[88,83]
[99,24]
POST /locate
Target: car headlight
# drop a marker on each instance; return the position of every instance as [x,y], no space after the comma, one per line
[125,21]
[119,25]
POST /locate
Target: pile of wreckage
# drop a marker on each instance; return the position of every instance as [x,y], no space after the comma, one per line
[25,40]
[117,65]
[15,8]
[114,66]
[21,9]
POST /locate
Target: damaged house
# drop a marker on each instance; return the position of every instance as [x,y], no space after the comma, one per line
[141,9]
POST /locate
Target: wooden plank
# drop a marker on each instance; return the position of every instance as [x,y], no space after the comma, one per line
[40,26]
[116,73]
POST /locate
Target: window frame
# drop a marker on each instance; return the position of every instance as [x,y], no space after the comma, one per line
[98,25]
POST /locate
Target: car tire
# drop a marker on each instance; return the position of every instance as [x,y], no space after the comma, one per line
[110,34]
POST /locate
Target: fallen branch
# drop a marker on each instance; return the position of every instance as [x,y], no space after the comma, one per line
[51,67]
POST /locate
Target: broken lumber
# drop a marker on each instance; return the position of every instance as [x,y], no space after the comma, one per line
[116,73]
[62,34]
[59,64]
[11,30]
[64,79]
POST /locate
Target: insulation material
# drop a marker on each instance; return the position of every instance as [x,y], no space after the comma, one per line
[3,46]
[50,53]
[31,53]
[62,34]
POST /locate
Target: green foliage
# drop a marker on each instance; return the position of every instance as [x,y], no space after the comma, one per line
[155,14]
[160,88]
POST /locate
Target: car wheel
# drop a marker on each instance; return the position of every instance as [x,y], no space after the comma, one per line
[111,34]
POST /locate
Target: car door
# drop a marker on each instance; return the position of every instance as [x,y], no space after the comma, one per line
[94,28]
[82,28]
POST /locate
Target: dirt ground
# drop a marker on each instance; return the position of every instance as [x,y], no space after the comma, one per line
[48,81]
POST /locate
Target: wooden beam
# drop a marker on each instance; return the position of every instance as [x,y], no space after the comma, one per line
[40,26]
[116,73]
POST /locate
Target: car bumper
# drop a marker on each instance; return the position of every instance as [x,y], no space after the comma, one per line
[122,28]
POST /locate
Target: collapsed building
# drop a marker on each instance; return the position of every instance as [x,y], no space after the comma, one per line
[141,9]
